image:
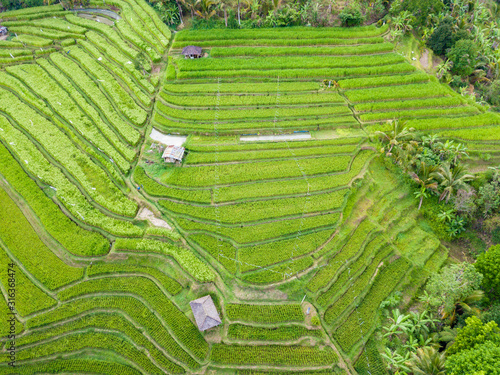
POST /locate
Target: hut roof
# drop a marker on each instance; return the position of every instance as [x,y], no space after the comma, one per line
[205,313]
[173,152]
[191,50]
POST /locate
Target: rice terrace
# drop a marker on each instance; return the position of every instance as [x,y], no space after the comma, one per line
[222,201]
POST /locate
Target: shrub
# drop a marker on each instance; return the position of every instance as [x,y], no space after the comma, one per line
[442,38]
[463,55]
[488,264]
[351,16]
[493,93]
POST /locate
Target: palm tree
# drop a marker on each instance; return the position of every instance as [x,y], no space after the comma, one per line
[425,180]
[448,335]
[464,304]
[396,135]
[207,10]
[180,11]
[427,361]
[459,150]
[451,179]
[190,4]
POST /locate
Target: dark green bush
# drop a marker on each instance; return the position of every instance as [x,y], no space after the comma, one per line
[351,16]
[464,57]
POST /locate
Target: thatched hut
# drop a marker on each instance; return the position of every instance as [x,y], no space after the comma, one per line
[192,52]
[205,313]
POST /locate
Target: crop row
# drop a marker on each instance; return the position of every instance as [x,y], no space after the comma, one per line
[413,91]
[152,26]
[93,179]
[8,60]
[181,326]
[262,232]
[302,51]
[106,128]
[178,44]
[354,246]
[223,251]
[75,239]
[445,101]
[252,100]
[151,15]
[276,313]
[488,118]
[10,44]
[47,33]
[186,259]
[292,72]
[119,96]
[109,322]
[432,112]
[275,355]
[429,112]
[275,273]
[261,256]
[14,52]
[171,234]
[356,326]
[489,133]
[22,240]
[50,23]
[200,176]
[29,298]
[355,288]
[240,87]
[57,366]
[130,35]
[260,210]
[139,313]
[156,189]
[32,40]
[281,33]
[208,157]
[126,77]
[105,30]
[355,83]
[116,55]
[96,340]
[208,144]
[370,360]
[285,333]
[288,62]
[32,10]
[101,136]
[102,268]
[370,251]
[66,192]
[245,125]
[259,113]
[147,33]
[91,89]
[278,188]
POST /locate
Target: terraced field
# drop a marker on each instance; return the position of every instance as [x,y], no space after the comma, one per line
[297,241]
